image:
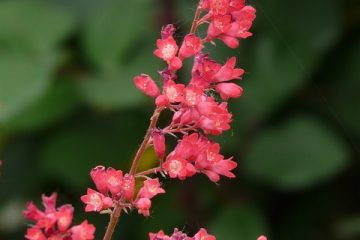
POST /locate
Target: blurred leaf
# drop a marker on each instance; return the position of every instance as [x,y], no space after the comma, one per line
[148,160]
[71,153]
[33,25]
[299,154]
[349,228]
[57,103]
[346,99]
[114,28]
[115,88]
[238,222]
[287,47]
[23,80]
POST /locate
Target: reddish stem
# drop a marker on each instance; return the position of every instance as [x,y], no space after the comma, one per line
[114,217]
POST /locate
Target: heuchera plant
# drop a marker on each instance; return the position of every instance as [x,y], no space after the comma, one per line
[199,108]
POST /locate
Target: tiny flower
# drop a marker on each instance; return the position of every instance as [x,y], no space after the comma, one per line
[190,46]
[219,24]
[146,85]
[178,167]
[49,202]
[35,233]
[32,212]
[219,7]
[174,92]
[167,31]
[143,205]
[229,90]
[228,71]
[98,175]
[128,187]
[203,235]
[64,217]
[167,48]
[95,201]
[150,189]
[159,236]
[159,144]
[262,237]
[84,231]
[114,180]
[192,95]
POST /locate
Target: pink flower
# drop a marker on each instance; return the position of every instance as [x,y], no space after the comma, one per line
[262,237]
[159,236]
[166,48]
[143,205]
[228,71]
[229,90]
[190,46]
[52,224]
[203,235]
[128,187]
[219,7]
[178,167]
[146,85]
[114,180]
[98,175]
[35,233]
[84,231]
[219,24]
[64,217]
[215,117]
[159,144]
[150,189]
[95,201]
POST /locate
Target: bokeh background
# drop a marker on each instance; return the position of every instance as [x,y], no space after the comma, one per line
[67,103]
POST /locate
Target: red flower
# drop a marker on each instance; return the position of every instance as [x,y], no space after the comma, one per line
[228,71]
[146,85]
[84,231]
[203,235]
[95,201]
[178,167]
[159,236]
[150,189]
[98,175]
[143,205]
[166,48]
[159,144]
[128,187]
[229,90]
[114,180]
[64,217]
[190,46]
[35,233]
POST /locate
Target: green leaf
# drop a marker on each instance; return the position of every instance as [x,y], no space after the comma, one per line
[57,103]
[114,88]
[239,222]
[33,25]
[70,153]
[299,154]
[23,80]
[114,28]
[286,48]
[346,97]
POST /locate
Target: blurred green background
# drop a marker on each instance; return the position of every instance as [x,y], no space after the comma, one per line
[67,103]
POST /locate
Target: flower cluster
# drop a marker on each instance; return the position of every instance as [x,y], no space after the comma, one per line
[195,153]
[199,110]
[54,223]
[178,235]
[229,20]
[115,188]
